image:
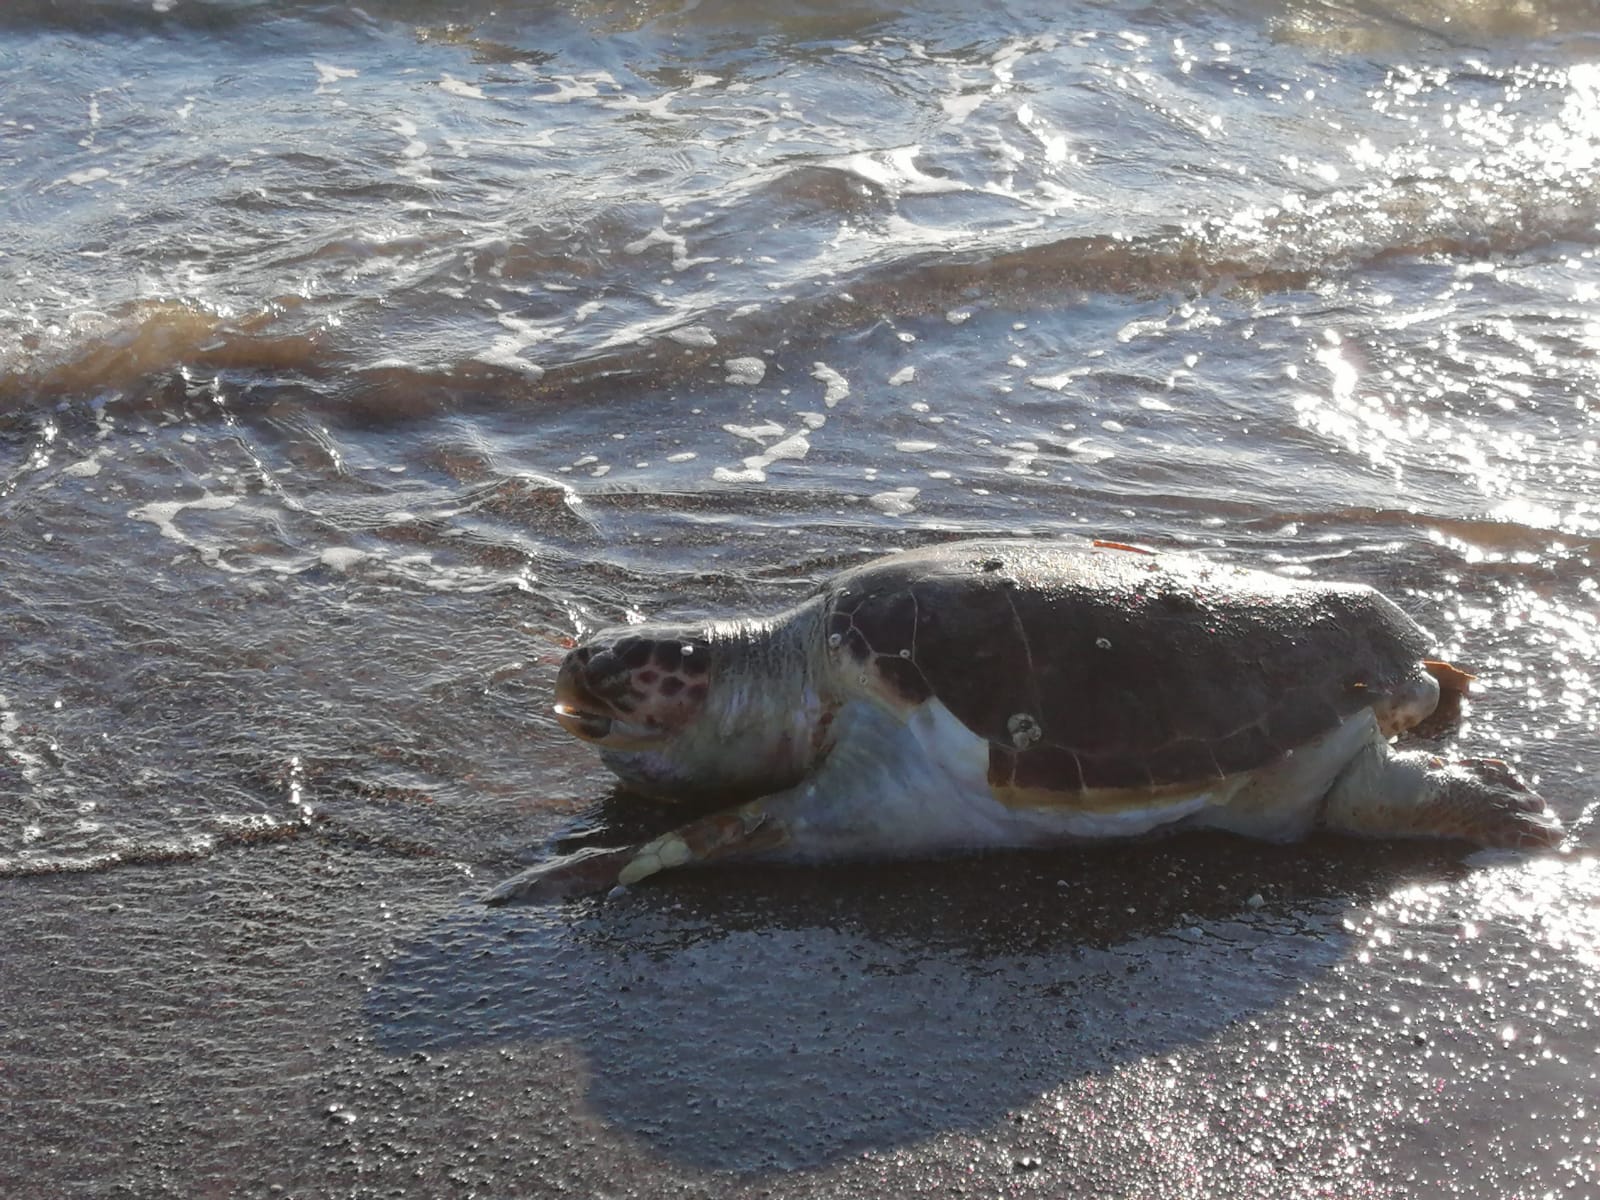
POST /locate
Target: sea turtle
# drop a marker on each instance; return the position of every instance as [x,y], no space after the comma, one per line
[1011,693]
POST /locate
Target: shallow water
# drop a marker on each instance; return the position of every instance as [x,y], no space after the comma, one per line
[352,361]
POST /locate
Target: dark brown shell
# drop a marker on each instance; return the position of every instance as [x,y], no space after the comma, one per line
[1104,667]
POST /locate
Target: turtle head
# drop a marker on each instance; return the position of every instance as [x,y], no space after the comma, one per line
[633,689]
[690,710]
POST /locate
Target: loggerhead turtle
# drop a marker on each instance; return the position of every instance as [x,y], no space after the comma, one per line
[1017,693]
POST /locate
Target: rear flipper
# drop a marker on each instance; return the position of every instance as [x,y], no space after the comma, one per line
[746,829]
[1384,794]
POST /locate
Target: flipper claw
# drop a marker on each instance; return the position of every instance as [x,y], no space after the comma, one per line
[591,870]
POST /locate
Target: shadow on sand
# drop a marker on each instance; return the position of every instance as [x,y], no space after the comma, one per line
[751,1019]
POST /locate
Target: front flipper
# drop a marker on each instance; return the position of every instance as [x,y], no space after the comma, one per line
[889,788]
[746,829]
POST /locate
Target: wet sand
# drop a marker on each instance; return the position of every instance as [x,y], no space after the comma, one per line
[1188,1018]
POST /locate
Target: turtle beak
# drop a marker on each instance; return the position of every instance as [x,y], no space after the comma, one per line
[578,710]
[590,726]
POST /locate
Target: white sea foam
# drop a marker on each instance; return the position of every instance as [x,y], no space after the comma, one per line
[163,514]
[457,87]
[835,387]
[762,433]
[746,371]
[341,558]
[896,172]
[896,502]
[328,75]
[693,335]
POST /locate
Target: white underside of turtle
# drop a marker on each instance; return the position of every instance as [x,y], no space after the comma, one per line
[973,697]
[926,779]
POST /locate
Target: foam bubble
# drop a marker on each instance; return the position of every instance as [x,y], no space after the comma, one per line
[795,446]
[756,433]
[83,469]
[835,387]
[693,335]
[341,558]
[163,514]
[679,245]
[84,178]
[328,75]
[959,108]
[896,172]
[457,87]
[747,371]
[569,88]
[731,475]
[896,502]
[1056,383]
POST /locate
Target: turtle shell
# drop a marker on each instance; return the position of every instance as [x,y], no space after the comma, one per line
[1089,666]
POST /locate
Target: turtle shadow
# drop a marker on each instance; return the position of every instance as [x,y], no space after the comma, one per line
[754,1019]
